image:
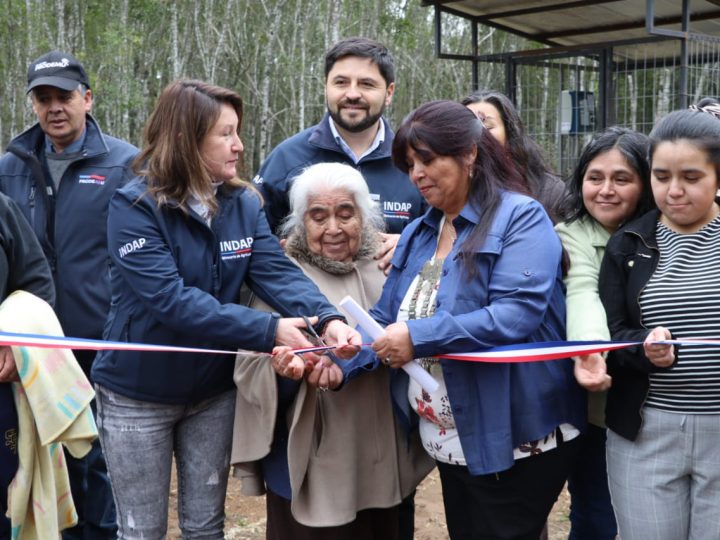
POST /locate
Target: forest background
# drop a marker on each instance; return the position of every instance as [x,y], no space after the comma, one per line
[270,51]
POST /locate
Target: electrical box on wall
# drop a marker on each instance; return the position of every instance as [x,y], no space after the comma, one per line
[577,112]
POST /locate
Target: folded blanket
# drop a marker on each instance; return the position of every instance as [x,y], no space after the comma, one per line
[53,403]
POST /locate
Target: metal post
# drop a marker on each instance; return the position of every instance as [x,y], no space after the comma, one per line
[438,31]
[510,79]
[684,55]
[475,67]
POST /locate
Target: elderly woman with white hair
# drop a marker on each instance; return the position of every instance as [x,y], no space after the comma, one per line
[334,464]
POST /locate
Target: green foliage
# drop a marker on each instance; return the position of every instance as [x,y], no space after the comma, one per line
[271,51]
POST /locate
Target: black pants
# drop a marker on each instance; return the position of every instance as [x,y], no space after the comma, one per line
[510,505]
[370,524]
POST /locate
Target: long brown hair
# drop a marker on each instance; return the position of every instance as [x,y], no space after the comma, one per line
[171,159]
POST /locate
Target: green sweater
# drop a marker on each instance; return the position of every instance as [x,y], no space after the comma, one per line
[585,240]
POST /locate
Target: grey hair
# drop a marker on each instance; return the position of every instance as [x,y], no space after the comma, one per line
[330,177]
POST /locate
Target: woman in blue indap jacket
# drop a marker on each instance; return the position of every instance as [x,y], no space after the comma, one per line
[183,237]
[481,268]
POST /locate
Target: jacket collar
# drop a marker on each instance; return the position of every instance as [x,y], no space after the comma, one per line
[598,235]
[645,227]
[322,137]
[433,216]
[32,140]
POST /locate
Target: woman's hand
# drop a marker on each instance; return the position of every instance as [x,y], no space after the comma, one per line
[8,369]
[346,340]
[325,375]
[591,372]
[386,251]
[395,348]
[660,355]
[289,332]
[287,364]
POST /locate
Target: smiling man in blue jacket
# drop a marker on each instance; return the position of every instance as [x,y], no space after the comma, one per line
[62,172]
[359,85]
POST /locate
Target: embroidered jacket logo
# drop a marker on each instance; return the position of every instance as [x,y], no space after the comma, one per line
[235,249]
[397,210]
[91,179]
[131,246]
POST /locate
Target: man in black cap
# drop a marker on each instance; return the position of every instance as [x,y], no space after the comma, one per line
[62,172]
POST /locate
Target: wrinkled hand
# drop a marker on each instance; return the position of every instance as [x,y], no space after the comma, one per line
[386,251]
[660,355]
[8,369]
[347,340]
[591,372]
[394,348]
[325,375]
[287,364]
[289,332]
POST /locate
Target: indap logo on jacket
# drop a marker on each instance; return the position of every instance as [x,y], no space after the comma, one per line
[397,210]
[235,249]
[128,248]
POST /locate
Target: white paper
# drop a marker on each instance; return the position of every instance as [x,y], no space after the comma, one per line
[374,330]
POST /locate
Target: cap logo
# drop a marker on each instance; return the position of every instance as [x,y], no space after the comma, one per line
[44,65]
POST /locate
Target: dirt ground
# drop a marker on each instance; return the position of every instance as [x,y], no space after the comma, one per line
[245,516]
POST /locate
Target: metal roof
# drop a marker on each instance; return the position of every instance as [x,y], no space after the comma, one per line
[582,22]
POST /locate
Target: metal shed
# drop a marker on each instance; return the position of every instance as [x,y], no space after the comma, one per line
[591,64]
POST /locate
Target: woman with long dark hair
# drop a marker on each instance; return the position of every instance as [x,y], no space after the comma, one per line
[502,120]
[481,268]
[609,186]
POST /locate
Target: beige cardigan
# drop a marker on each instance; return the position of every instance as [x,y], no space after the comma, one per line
[345,452]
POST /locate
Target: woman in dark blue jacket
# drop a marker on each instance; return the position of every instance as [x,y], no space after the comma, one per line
[481,268]
[183,238]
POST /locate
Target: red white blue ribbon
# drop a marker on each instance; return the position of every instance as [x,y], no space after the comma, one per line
[525,352]
[12,339]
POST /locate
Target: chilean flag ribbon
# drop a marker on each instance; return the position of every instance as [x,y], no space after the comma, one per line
[524,352]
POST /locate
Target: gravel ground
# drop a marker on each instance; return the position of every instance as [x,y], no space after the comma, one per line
[245,516]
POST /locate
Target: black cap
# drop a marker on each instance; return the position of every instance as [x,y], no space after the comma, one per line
[58,69]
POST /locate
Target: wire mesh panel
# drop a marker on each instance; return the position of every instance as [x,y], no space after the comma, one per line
[646,86]
[563,100]
[557,100]
[703,68]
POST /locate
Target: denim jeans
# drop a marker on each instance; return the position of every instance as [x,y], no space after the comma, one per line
[591,511]
[139,439]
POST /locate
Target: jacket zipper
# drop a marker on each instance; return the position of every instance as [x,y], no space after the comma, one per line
[637,299]
[31,202]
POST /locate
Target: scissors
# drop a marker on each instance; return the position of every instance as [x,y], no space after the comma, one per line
[323,349]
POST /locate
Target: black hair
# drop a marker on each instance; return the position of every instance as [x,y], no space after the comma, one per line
[447,128]
[523,149]
[364,48]
[696,126]
[634,148]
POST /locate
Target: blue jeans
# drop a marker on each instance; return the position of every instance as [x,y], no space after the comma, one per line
[591,512]
[8,452]
[139,439]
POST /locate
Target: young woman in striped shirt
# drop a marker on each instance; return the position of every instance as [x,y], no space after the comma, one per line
[660,280]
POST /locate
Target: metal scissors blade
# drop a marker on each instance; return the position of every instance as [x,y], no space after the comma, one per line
[311,331]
